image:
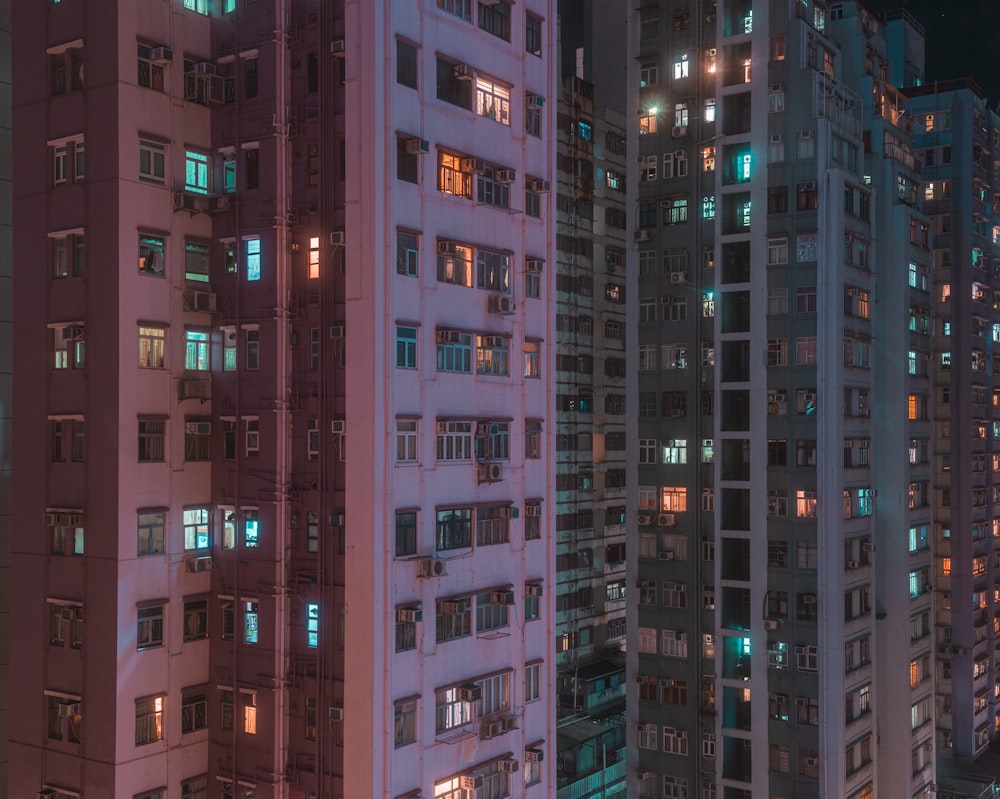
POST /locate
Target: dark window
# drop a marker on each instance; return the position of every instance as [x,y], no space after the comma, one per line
[253,168]
[250,76]
[406,533]
[533,35]
[451,89]
[312,73]
[494,17]
[777,200]
[406,162]
[406,64]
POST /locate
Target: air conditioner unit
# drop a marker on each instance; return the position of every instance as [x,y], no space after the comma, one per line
[536,100]
[470,693]
[451,608]
[678,277]
[337,238]
[771,625]
[505,175]
[441,428]
[72,519]
[336,714]
[487,428]
[448,336]
[69,709]
[467,782]
[200,301]
[665,520]
[509,512]
[666,555]
[533,589]
[868,546]
[812,761]
[474,165]
[501,305]
[47,793]
[490,472]
[491,729]
[50,519]
[337,48]
[532,510]
[641,775]
[776,138]
[534,755]
[494,341]
[805,134]
[198,428]
[221,202]
[418,146]
[644,519]
[510,765]
[195,203]
[161,55]
[409,615]
[502,598]
[197,565]
[808,599]
[539,186]
[533,265]
[194,389]
[336,519]
[679,130]
[853,564]
[777,87]
[432,567]
[336,331]
[509,723]
[809,185]
[338,426]
[204,68]
[642,235]
[446,248]
[464,72]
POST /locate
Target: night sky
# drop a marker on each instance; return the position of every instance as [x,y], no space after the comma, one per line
[963,38]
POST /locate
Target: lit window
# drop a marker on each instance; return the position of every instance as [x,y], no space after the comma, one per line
[312,625]
[195,350]
[251,632]
[253,258]
[196,529]
[681,67]
[249,710]
[196,171]
[250,530]
[149,719]
[313,257]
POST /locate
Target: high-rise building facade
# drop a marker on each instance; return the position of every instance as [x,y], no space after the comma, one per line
[782,430]
[287,475]
[590,444]
[957,144]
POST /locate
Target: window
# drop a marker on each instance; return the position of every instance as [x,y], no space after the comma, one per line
[152,255]
[406,440]
[492,271]
[196,529]
[65,722]
[405,722]
[533,35]
[675,211]
[533,440]
[251,166]
[151,533]
[150,72]
[490,615]
[494,18]
[492,526]
[248,699]
[149,719]
[493,187]
[454,619]
[406,347]
[67,538]
[252,349]
[532,359]
[492,100]
[675,741]
[195,619]
[805,350]
[312,625]
[152,161]
[69,254]
[406,253]
[197,440]
[194,709]
[229,174]
[67,70]
[682,66]
[151,440]
[197,168]
[251,620]
[65,621]
[253,259]
[455,175]
[406,64]
[251,528]
[68,162]
[69,347]
[453,529]
[492,355]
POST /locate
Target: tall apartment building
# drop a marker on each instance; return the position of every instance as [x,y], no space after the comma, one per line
[957,141]
[286,475]
[782,402]
[590,444]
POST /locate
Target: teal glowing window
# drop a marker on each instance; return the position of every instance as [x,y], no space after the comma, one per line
[196,166]
[251,619]
[312,625]
[253,259]
[250,530]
